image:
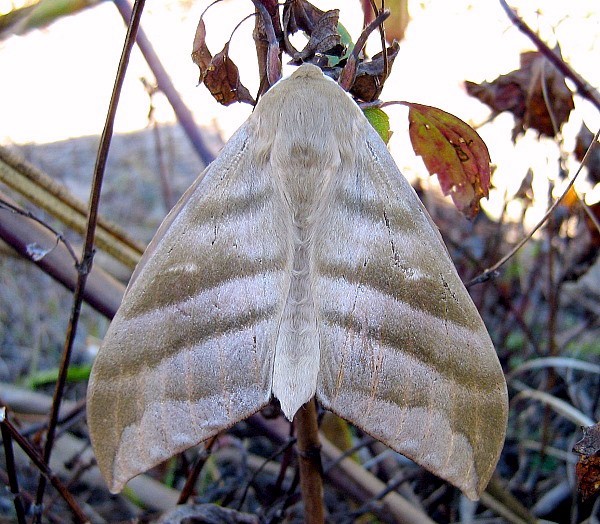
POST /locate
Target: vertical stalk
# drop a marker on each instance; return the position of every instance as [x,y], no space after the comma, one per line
[309,458]
[85,264]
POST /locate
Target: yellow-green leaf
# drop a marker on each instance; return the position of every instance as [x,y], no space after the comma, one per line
[380,122]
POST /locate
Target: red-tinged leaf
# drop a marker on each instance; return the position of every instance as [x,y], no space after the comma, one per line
[453,151]
[222,78]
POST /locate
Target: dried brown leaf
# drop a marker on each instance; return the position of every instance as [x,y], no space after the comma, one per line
[535,94]
[222,78]
[201,55]
[369,77]
[302,16]
[324,36]
[582,142]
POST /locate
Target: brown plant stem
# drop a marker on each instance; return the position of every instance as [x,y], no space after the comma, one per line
[309,459]
[102,291]
[11,469]
[190,482]
[85,265]
[54,198]
[348,74]
[267,33]
[184,115]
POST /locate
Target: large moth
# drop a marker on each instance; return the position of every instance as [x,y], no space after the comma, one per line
[299,263]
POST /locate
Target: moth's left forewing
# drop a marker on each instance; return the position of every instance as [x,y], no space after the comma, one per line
[404,353]
[189,353]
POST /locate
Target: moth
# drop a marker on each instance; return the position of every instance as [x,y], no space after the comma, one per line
[299,263]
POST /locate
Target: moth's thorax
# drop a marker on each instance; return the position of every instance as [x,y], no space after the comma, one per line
[304,144]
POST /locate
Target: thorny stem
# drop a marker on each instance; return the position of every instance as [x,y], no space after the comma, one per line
[491,271]
[309,458]
[583,87]
[87,256]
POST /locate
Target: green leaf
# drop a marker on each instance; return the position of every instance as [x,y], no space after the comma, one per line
[346,41]
[74,374]
[380,122]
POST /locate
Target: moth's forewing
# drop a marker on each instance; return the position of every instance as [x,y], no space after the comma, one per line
[189,352]
[404,353]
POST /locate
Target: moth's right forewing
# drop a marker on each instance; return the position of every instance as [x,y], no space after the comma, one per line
[404,353]
[190,351]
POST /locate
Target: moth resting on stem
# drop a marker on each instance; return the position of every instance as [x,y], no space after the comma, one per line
[300,263]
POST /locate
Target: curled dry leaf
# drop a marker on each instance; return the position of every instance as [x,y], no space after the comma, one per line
[535,94]
[588,467]
[453,151]
[323,37]
[218,73]
[369,77]
[300,15]
[201,56]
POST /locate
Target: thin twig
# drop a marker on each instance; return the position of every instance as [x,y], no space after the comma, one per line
[190,482]
[87,256]
[583,87]
[102,291]
[184,115]
[376,12]
[492,271]
[28,214]
[45,470]
[348,74]
[273,56]
[46,193]
[10,468]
